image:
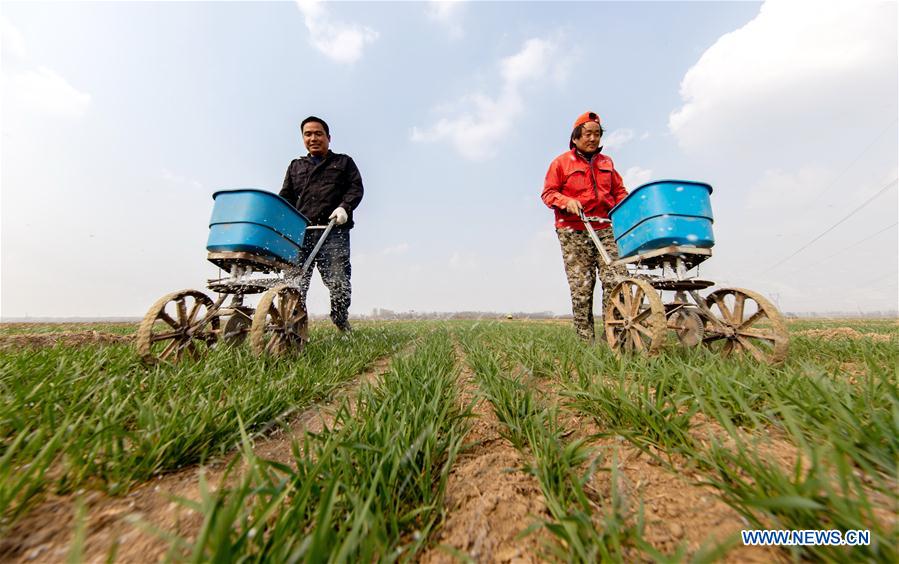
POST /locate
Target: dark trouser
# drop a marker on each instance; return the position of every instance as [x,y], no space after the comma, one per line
[333,263]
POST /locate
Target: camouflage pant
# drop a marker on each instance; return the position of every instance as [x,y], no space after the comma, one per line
[582,260]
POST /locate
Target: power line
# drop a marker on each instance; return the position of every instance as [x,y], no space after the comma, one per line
[852,246]
[856,159]
[876,285]
[831,228]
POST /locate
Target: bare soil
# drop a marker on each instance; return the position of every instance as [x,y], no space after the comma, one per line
[67,338]
[490,501]
[844,333]
[676,511]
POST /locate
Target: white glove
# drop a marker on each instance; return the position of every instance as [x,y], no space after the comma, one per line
[340,215]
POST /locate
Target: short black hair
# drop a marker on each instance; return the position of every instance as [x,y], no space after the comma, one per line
[578,131]
[316,119]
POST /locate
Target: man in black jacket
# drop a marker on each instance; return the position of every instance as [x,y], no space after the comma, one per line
[323,186]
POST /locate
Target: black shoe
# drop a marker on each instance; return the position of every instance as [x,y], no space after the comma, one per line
[345,328]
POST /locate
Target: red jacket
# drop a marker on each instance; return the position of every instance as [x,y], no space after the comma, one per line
[596,184]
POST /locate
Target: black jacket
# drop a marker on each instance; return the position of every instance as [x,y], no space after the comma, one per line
[317,190]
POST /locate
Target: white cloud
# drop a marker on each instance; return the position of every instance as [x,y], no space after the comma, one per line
[442,10]
[538,250]
[463,261]
[792,117]
[13,41]
[617,138]
[783,191]
[795,76]
[485,120]
[40,91]
[446,13]
[46,92]
[386,259]
[395,249]
[340,42]
[311,8]
[636,176]
[532,62]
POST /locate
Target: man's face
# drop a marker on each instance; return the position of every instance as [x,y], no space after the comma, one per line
[588,142]
[315,139]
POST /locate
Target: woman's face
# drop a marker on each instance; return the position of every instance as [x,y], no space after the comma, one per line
[591,134]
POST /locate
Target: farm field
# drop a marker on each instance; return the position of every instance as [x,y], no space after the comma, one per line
[485,441]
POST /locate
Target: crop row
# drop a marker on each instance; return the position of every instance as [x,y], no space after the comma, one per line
[370,487]
[844,426]
[96,417]
[562,467]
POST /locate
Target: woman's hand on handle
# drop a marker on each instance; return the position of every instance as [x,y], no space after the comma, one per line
[573,206]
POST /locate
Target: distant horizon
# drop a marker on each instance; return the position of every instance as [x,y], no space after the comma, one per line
[437,315]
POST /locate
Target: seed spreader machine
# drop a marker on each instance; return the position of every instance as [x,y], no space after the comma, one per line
[663,230]
[255,238]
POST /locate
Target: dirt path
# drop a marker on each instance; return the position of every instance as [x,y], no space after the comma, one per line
[489,500]
[45,534]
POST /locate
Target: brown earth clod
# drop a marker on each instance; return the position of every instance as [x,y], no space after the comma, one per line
[844,333]
[68,338]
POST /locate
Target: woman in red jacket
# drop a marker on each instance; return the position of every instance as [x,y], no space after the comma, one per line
[583,179]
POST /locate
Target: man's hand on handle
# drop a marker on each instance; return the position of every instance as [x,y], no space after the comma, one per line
[573,206]
[340,215]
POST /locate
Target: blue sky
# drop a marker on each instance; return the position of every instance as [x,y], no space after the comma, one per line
[119,120]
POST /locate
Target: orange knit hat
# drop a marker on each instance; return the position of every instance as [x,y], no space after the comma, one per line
[585,117]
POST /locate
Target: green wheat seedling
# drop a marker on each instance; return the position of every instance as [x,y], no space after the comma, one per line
[820,492]
[134,422]
[562,468]
[94,417]
[368,488]
[852,425]
[23,468]
[653,414]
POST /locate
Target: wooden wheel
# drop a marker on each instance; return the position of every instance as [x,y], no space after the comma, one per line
[176,326]
[280,324]
[635,318]
[688,325]
[748,323]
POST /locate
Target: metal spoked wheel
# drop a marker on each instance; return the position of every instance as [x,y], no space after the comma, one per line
[237,327]
[747,323]
[635,318]
[688,325]
[280,324]
[177,326]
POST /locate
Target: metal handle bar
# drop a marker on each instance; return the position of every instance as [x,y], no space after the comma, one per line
[318,245]
[606,258]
